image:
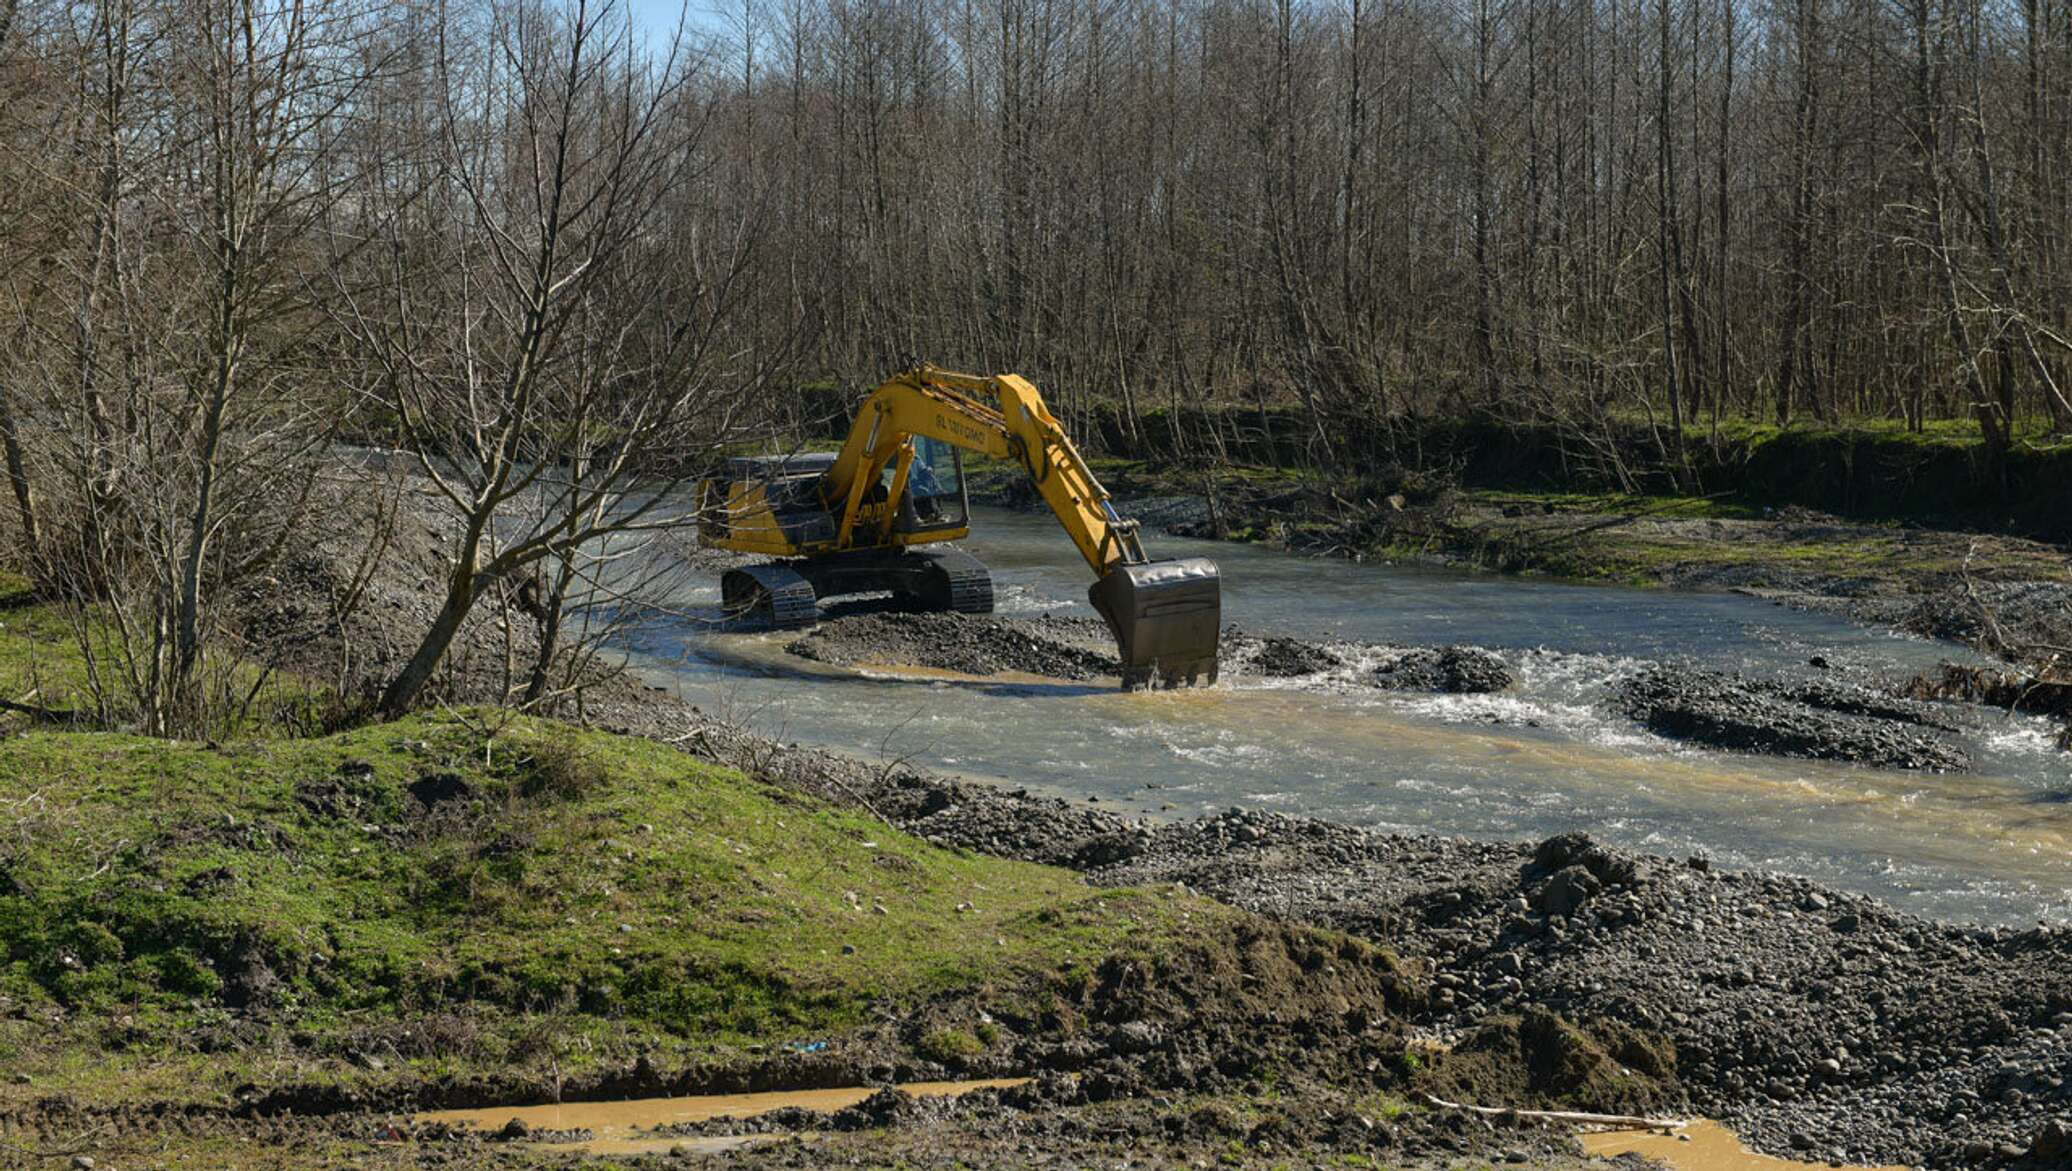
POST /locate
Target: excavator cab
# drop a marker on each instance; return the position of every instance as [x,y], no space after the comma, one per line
[935,498]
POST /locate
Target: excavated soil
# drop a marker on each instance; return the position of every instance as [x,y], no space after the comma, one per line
[1063,648]
[1815,1020]
[1817,721]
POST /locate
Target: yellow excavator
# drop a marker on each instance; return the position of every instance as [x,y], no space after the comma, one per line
[860,521]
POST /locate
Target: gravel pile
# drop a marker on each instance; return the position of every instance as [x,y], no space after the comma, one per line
[1814,1020]
[1062,648]
[1820,721]
[1460,670]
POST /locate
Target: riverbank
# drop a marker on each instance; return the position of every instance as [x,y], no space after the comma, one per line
[1817,1022]
[262,962]
[294,943]
[1663,541]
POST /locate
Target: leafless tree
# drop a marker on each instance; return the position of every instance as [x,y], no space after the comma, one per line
[553,319]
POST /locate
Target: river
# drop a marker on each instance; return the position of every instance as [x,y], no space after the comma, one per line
[1993,845]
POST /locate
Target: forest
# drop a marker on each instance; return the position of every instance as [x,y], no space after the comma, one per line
[554,255]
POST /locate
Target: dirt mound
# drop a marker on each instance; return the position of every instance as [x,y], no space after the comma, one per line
[1460,670]
[1061,648]
[1274,657]
[1816,721]
[1539,1059]
[1790,1008]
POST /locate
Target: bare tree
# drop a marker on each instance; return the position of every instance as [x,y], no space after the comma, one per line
[552,320]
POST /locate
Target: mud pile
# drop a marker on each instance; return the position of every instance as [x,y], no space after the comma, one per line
[1813,720]
[1061,648]
[1817,1021]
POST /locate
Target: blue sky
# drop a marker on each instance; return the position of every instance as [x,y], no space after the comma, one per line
[658,17]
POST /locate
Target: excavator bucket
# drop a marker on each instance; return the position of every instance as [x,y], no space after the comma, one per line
[1167,617]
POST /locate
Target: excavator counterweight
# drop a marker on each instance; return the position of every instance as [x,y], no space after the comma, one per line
[860,520]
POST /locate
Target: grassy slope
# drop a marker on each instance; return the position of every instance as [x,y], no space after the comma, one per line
[579,900]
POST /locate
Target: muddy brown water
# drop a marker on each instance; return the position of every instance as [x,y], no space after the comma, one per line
[626,1127]
[1993,845]
[1701,1146]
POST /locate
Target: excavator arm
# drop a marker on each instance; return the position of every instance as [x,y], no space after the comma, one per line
[1166,615]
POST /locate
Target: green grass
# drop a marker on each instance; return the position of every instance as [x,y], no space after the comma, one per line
[1616,503]
[580,899]
[41,660]
[45,663]
[1962,433]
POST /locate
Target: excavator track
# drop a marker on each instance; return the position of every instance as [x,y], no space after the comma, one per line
[958,581]
[776,594]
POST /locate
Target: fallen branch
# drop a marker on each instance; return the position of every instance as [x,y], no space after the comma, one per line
[43,715]
[1626,1121]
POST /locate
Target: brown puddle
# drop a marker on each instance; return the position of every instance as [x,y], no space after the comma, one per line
[625,1128]
[1701,1146]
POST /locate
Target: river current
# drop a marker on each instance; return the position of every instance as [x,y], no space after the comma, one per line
[1993,845]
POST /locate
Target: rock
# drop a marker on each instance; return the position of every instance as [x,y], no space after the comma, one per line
[1568,890]
[514,1130]
[83,1163]
[1579,849]
[2052,1144]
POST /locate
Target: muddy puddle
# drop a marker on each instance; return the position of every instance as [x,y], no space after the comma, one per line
[629,1127]
[1544,756]
[1701,1146]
